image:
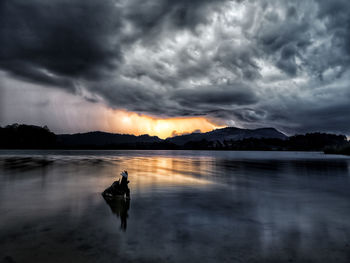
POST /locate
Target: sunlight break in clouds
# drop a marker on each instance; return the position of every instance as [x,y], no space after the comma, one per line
[141,124]
[22,105]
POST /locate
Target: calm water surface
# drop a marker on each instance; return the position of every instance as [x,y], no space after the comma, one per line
[186,206]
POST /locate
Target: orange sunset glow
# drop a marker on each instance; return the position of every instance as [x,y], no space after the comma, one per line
[138,124]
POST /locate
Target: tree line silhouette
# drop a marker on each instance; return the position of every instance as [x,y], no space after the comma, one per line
[34,137]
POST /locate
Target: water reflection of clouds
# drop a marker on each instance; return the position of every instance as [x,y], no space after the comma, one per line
[202,207]
[52,183]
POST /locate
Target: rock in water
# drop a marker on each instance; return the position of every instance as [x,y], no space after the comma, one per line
[114,191]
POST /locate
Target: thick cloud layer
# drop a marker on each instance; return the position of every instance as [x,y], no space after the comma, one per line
[246,63]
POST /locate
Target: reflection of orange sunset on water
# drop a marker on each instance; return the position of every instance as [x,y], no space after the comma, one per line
[133,123]
[161,171]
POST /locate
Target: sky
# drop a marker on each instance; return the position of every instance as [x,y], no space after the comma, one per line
[168,67]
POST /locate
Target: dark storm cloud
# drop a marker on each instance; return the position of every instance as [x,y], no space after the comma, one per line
[150,15]
[54,42]
[239,59]
[232,94]
[249,63]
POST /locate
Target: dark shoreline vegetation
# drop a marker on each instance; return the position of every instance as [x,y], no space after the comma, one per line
[267,139]
[345,150]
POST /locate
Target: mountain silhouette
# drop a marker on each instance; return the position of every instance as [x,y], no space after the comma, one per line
[227,134]
[99,139]
[34,137]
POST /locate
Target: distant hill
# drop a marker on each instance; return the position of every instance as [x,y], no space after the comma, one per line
[22,136]
[228,134]
[101,139]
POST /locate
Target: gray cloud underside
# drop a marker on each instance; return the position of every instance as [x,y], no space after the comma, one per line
[247,63]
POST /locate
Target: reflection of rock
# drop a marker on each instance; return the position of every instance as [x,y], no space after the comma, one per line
[120,207]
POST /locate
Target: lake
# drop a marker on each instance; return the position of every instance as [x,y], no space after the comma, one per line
[186,206]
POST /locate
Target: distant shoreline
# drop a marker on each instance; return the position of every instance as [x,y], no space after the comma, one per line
[29,137]
[210,150]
